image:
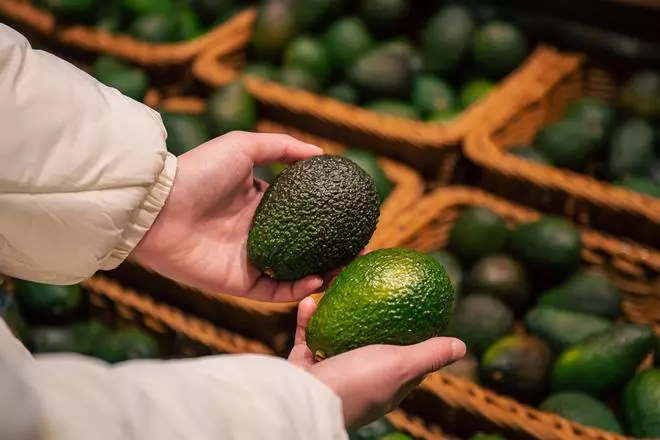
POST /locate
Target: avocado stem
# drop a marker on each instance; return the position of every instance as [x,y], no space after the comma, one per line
[268,271]
[319,356]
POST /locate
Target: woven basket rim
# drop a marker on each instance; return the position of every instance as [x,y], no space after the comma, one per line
[196,329]
[415,426]
[212,68]
[121,45]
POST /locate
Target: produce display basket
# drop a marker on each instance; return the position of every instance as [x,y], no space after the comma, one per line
[272,323]
[584,199]
[443,398]
[122,46]
[430,147]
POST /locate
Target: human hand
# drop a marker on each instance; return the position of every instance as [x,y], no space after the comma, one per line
[200,235]
[372,381]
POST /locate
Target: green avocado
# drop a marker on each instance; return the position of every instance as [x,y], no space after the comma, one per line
[89,335]
[592,111]
[631,148]
[189,24]
[273,29]
[641,405]
[209,11]
[313,14]
[307,53]
[500,276]
[391,107]
[640,185]
[46,303]
[14,320]
[343,92]
[230,108]
[585,292]
[479,320]
[72,11]
[184,131]
[532,154]
[583,409]
[604,362]
[444,116]
[474,91]
[476,233]
[517,366]
[156,27]
[569,143]
[453,267]
[384,72]
[373,431]
[261,70]
[388,296]
[432,95]
[125,345]
[368,161]
[53,339]
[499,48]
[447,39]
[397,436]
[129,80]
[551,245]
[298,78]
[467,368]
[641,93]
[384,17]
[562,329]
[345,41]
[317,216]
[137,8]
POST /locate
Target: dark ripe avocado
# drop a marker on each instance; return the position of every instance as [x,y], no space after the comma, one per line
[384,17]
[184,132]
[453,267]
[631,148]
[640,185]
[210,10]
[657,351]
[388,296]
[373,431]
[14,320]
[125,345]
[346,40]
[517,366]
[532,154]
[499,48]
[317,216]
[230,108]
[479,320]
[476,233]
[653,169]
[467,368]
[299,78]
[585,292]
[562,329]
[343,92]
[502,277]
[641,405]
[641,93]
[603,363]
[569,143]
[308,53]
[368,161]
[310,14]
[432,95]
[399,109]
[385,72]
[551,244]
[583,409]
[273,29]
[47,304]
[447,39]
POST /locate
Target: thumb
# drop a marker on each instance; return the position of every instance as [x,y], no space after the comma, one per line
[431,355]
[265,148]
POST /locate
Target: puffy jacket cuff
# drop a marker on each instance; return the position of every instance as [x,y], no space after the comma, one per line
[145,215]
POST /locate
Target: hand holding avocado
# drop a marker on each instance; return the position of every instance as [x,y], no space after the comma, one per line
[372,380]
[199,237]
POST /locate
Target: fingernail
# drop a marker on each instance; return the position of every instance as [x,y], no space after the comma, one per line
[458,349]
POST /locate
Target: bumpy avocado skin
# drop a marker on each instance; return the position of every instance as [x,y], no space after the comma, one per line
[389,296]
[317,216]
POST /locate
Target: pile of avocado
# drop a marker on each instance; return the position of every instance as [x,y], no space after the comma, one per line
[382,429]
[361,53]
[615,142]
[53,319]
[153,21]
[569,354]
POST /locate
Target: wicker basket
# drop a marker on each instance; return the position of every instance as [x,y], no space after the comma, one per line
[122,46]
[635,270]
[272,323]
[427,146]
[584,199]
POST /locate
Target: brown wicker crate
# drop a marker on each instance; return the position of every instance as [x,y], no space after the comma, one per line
[634,269]
[272,323]
[427,146]
[122,46]
[581,197]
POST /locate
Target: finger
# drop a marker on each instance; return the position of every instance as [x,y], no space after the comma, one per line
[267,148]
[305,310]
[267,289]
[431,355]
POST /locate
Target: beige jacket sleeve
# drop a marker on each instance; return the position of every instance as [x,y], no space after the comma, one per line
[83,170]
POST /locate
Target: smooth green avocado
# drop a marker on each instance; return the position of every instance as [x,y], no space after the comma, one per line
[317,216]
[389,296]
